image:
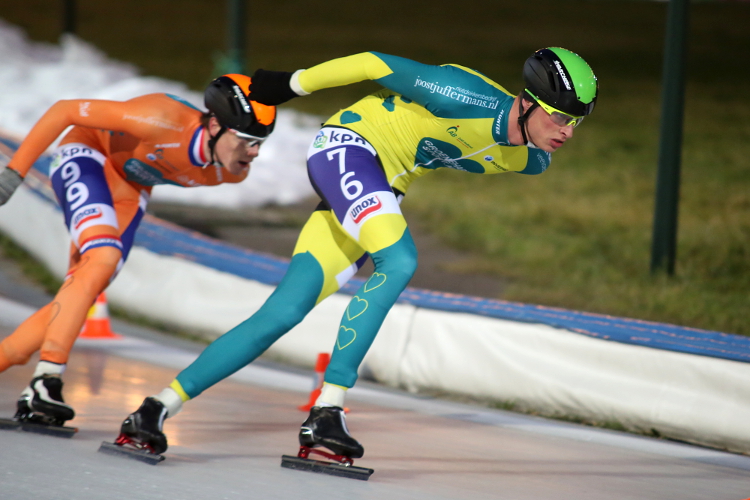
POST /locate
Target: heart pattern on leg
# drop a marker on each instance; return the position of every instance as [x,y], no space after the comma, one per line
[346,336]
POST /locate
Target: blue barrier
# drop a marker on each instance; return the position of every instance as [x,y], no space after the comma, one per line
[168,239]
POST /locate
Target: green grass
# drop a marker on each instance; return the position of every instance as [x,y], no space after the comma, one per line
[578,236]
[29,266]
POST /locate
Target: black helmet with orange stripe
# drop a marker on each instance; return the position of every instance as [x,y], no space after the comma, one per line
[227,98]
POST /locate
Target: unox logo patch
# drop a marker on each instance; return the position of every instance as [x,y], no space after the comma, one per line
[365,208]
[86,215]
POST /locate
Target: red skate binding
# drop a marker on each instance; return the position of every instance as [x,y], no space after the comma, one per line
[304,452]
[141,436]
[127,441]
[126,446]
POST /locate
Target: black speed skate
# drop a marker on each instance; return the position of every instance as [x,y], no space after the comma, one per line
[41,408]
[326,427]
[141,436]
[42,402]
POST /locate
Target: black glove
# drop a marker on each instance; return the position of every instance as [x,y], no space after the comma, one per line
[271,87]
[9,181]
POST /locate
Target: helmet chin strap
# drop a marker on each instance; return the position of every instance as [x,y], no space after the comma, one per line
[523,117]
[212,144]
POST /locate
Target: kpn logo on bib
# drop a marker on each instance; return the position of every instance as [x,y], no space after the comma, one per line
[365,208]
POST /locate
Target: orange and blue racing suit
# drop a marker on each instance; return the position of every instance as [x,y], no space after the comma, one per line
[102,173]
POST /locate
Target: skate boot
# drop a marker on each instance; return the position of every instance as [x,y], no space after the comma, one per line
[42,402]
[326,427]
[143,428]
[23,410]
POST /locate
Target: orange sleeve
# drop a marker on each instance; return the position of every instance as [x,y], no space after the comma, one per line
[136,117]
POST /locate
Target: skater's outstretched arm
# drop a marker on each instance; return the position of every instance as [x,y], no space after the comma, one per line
[91,113]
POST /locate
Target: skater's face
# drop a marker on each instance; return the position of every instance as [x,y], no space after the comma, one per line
[546,132]
[234,153]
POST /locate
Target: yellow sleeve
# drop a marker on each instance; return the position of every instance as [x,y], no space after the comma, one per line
[343,71]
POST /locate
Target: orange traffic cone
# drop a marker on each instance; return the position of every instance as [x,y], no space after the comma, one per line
[320,370]
[97,324]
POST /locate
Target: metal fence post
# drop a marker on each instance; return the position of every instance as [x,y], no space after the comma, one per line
[664,241]
[236,36]
[69,16]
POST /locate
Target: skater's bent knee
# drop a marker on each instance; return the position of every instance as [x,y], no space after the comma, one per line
[286,314]
[108,256]
[98,266]
[399,260]
[405,263]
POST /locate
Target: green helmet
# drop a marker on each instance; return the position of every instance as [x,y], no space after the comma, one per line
[561,79]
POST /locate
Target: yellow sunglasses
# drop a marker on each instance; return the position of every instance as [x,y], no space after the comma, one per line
[558,117]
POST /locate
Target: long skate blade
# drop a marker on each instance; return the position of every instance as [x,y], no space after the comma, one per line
[9,424]
[49,430]
[37,428]
[329,468]
[122,451]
